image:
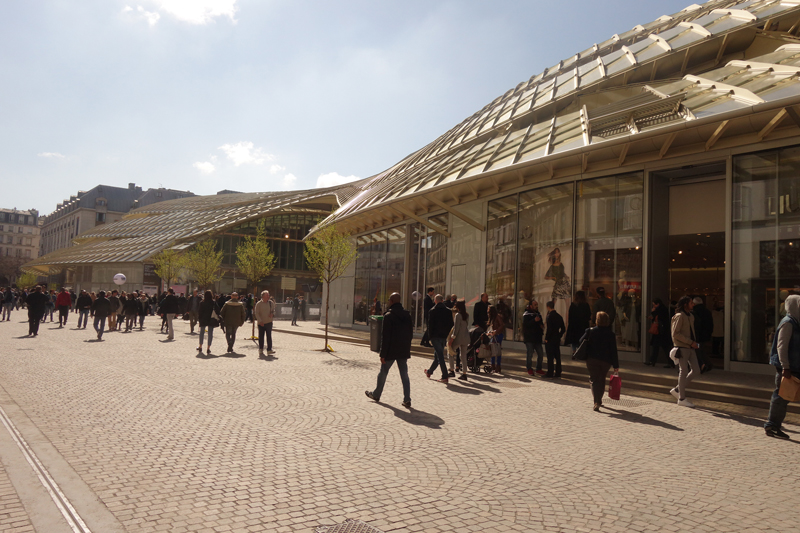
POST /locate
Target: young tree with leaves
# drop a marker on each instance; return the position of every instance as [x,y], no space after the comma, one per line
[255,260]
[26,280]
[204,262]
[329,252]
[168,264]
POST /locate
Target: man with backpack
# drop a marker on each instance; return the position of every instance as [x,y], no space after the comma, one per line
[397,332]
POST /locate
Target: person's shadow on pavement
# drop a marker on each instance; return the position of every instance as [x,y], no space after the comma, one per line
[415,416]
[630,416]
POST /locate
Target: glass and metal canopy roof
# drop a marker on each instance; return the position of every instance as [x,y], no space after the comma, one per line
[182,222]
[691,66]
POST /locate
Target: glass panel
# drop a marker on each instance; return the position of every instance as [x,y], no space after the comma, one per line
[501,254]
[361,281]
[436,256]
[766,248]
[395,263]
[545,248]
[609,251]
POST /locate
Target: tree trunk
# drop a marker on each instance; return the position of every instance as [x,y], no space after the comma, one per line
[327,300]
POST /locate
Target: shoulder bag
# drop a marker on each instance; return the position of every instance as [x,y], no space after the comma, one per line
[582,353]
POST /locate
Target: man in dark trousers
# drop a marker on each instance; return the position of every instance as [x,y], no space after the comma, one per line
[295,309]
[440,322]
[36,302]
[532,332]
[101,309]
[605,305]
[63,303]
[397,332]
[703,328]
[426,309]
[169,307]
[480,313]
[552,339]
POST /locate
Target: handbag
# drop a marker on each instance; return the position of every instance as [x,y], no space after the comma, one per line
[790,389]
[496,350]
[582,353]
[614,386]
[214,322]
[653,328]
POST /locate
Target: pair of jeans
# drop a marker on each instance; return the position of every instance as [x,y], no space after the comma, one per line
[531,347]
[99,325]
[112,321]
[83,314]
[687,359]
[402,366]
[553,351]
[141,321]
[294,318]
[170,330]
[438,356]
[266,329]
[203,333]
[230,335]
[497,360]
[598,369]
[777,406]
[130,321]
[63,314]
[7,307]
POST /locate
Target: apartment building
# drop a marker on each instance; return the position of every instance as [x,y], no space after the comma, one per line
[19,233]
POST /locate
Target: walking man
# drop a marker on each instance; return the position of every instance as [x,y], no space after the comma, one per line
[552,340]
[532,332]
[193,309]
[8,303]
[295,309]
[264,314]
[398,330]
[101,309]
[427,305]
[112,315]
[83,304]
[233,316]
[785,357]
[37,303]
[440,322]
[169,307]
[63,303]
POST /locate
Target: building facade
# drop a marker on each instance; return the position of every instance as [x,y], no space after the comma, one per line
[19,241]
[659,163]
[100,205]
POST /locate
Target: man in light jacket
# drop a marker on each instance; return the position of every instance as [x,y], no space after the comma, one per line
[264,314]
[685,341]
[785,357]
[233,316]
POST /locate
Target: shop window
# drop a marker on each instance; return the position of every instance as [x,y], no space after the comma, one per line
[501,255]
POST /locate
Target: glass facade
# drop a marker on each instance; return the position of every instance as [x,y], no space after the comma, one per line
[285,234]
[379,271]
[608,249]
[436,255]
[765,248]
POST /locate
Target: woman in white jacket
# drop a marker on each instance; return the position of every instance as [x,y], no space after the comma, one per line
[459,338]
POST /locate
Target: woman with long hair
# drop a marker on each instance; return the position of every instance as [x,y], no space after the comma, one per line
[459,339]
[602,355]
[496,329]
[208,308]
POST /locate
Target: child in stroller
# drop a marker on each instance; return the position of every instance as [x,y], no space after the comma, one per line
[478,349]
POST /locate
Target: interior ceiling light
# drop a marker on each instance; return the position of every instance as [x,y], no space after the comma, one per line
[680,251]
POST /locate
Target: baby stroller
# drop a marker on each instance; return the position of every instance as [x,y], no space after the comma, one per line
[478,341]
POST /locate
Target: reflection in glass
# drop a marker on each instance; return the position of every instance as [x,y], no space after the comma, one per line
[609,251]
[436,255]
[501,256]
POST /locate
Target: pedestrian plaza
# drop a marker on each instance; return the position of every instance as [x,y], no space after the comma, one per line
[143,435]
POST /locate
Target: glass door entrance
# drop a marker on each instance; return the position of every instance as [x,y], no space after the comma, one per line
[688,248]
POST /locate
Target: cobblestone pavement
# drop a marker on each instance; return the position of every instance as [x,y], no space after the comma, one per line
[171,441]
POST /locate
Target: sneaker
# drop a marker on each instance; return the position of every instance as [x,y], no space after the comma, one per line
[261,353]
[208,352]
[443,380]
[776,433]
[674,392]
[407,404]
[463,377]
[530,371]
[370,395]
[540,372]
[685,403]
[451,374]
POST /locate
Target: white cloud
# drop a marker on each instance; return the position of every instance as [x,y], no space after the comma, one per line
[206,167]
[245,153]
[151,16]
[289,180]
[198,11]
[332,179]
[51,155]
[274,169]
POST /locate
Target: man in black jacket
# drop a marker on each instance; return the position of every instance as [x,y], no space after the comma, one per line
[552,340]
[427,305]
[169,308]
[36,302]
[83,305]
[101,308]
[532,331]
[440,322]
[480,313]
[397,332]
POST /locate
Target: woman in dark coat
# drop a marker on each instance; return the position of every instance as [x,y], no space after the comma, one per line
[663,340]
[601,352]
[208,307]
[579,316]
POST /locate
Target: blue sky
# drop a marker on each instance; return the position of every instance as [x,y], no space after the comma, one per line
[258,95]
